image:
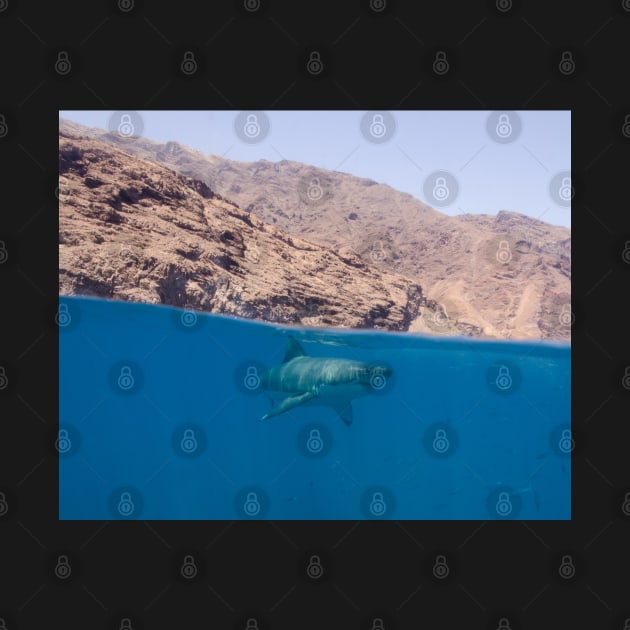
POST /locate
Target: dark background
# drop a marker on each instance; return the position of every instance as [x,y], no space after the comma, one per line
[127,55]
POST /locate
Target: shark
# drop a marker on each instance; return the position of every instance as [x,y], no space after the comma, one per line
[332,382]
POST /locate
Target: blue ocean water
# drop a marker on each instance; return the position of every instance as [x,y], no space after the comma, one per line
[160,419]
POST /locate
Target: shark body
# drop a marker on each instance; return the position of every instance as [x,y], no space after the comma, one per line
[321,381]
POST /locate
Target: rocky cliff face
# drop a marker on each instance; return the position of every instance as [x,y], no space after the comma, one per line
[505,276]
[134,230]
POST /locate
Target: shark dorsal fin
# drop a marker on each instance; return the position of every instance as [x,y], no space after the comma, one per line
[294,349]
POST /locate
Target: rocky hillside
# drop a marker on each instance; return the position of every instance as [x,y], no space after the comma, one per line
[505,276]
[130,229]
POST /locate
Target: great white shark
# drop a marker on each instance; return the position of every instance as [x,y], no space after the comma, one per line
[321,381]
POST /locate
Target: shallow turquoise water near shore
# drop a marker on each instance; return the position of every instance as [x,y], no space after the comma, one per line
[160,419]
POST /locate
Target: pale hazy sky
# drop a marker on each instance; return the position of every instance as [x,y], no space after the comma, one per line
[512,171]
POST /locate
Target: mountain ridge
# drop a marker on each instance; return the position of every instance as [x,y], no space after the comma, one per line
[504,276]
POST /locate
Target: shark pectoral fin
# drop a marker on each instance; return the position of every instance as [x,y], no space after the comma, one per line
[345,413]
[289,403]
